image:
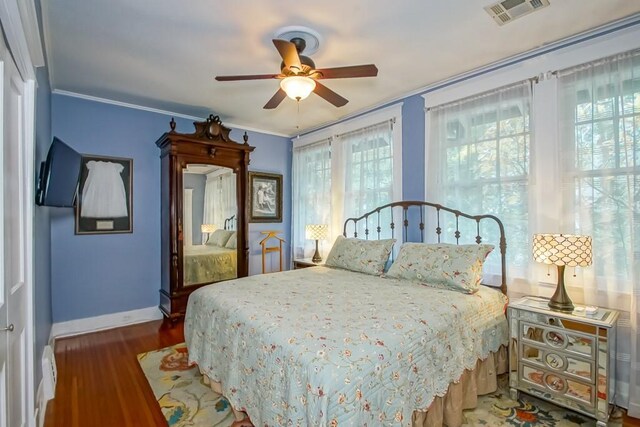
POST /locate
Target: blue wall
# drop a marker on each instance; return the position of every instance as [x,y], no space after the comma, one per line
[92,275]
[42,227]
[413,169]
[272,155]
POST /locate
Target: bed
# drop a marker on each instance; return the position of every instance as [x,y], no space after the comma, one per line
[328,346]
[214,261]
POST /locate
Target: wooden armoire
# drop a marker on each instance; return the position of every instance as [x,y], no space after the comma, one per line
[210,145]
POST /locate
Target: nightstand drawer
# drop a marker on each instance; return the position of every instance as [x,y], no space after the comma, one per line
[561,389]
[559,339]
[564,363]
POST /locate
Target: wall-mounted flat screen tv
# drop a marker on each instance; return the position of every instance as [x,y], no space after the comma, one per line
[59,174]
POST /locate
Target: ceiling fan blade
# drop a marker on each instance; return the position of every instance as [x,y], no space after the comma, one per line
[275,100]
[329,95]
[249,77]
[368,70]
[289,54]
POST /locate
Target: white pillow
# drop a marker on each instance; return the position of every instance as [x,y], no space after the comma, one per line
[232,243]
[219,238]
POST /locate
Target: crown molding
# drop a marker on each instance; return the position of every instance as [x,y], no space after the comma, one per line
[233,126]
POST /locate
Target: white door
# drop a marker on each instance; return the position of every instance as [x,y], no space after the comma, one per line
[14,273]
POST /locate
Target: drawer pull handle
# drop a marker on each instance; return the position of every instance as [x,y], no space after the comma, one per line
[555,339]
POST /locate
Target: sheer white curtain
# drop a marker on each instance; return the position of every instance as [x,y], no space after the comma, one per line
[219,198]
[311,192]
[343,176]
[599,135]
[478,162]
[366,157]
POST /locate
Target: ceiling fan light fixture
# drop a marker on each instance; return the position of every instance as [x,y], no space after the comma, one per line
[298,87]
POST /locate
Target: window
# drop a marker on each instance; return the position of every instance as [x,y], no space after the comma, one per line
[345,174]
[600,132]
[567,162]
[369,169]
[311,191]
[479,163]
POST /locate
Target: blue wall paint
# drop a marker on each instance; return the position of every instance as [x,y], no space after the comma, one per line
[42,227]
[93,275]
[413,169]
[272,155]
[197,183]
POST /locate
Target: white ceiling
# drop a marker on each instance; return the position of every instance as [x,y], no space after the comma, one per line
[164,54]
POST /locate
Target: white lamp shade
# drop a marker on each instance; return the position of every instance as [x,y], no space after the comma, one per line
[298,87]
[208,228]
[562,249]
[316,231]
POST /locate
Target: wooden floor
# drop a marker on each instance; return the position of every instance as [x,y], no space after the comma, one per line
[101,384]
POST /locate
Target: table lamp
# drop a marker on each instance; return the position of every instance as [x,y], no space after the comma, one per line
[562,250]
[207,229]
[316,232]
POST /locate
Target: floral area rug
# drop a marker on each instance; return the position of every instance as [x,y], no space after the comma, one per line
[186,401]
[180,391]
[497,409]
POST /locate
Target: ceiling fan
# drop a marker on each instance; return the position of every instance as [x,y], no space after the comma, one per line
[299,75]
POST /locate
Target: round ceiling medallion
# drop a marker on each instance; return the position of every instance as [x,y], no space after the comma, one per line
[311,37]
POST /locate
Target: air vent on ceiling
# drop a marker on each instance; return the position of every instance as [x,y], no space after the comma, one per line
[508,10]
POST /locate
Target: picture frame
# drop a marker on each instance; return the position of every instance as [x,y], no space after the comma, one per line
[265,194]
[104,200]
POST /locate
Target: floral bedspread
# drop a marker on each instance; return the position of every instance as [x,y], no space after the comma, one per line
[205,264]
[329,347]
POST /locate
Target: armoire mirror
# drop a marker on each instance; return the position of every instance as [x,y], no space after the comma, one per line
[209,212]
[204,222]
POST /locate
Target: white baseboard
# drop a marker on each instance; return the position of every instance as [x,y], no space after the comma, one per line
[107,321]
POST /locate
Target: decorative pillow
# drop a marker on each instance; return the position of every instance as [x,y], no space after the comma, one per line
[232,243]
[442,265]
[364,256]
[219,237]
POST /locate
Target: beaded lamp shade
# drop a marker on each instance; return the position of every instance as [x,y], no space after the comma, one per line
[562,250]
[316,231]
[208,228]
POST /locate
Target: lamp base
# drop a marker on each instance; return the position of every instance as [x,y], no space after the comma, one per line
[560,300]
[316,256]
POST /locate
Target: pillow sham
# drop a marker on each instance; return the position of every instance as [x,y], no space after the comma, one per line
[232,243]
[364,256]
[219,237]
[442,265]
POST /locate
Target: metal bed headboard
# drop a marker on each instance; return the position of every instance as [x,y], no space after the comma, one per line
[373,218]
[229,223]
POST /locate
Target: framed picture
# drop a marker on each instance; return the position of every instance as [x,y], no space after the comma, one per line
[266,197]
[104,196]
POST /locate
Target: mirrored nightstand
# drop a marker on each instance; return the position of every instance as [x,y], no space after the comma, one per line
[565,358]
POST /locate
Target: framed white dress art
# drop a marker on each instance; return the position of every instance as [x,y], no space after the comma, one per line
[104,195]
